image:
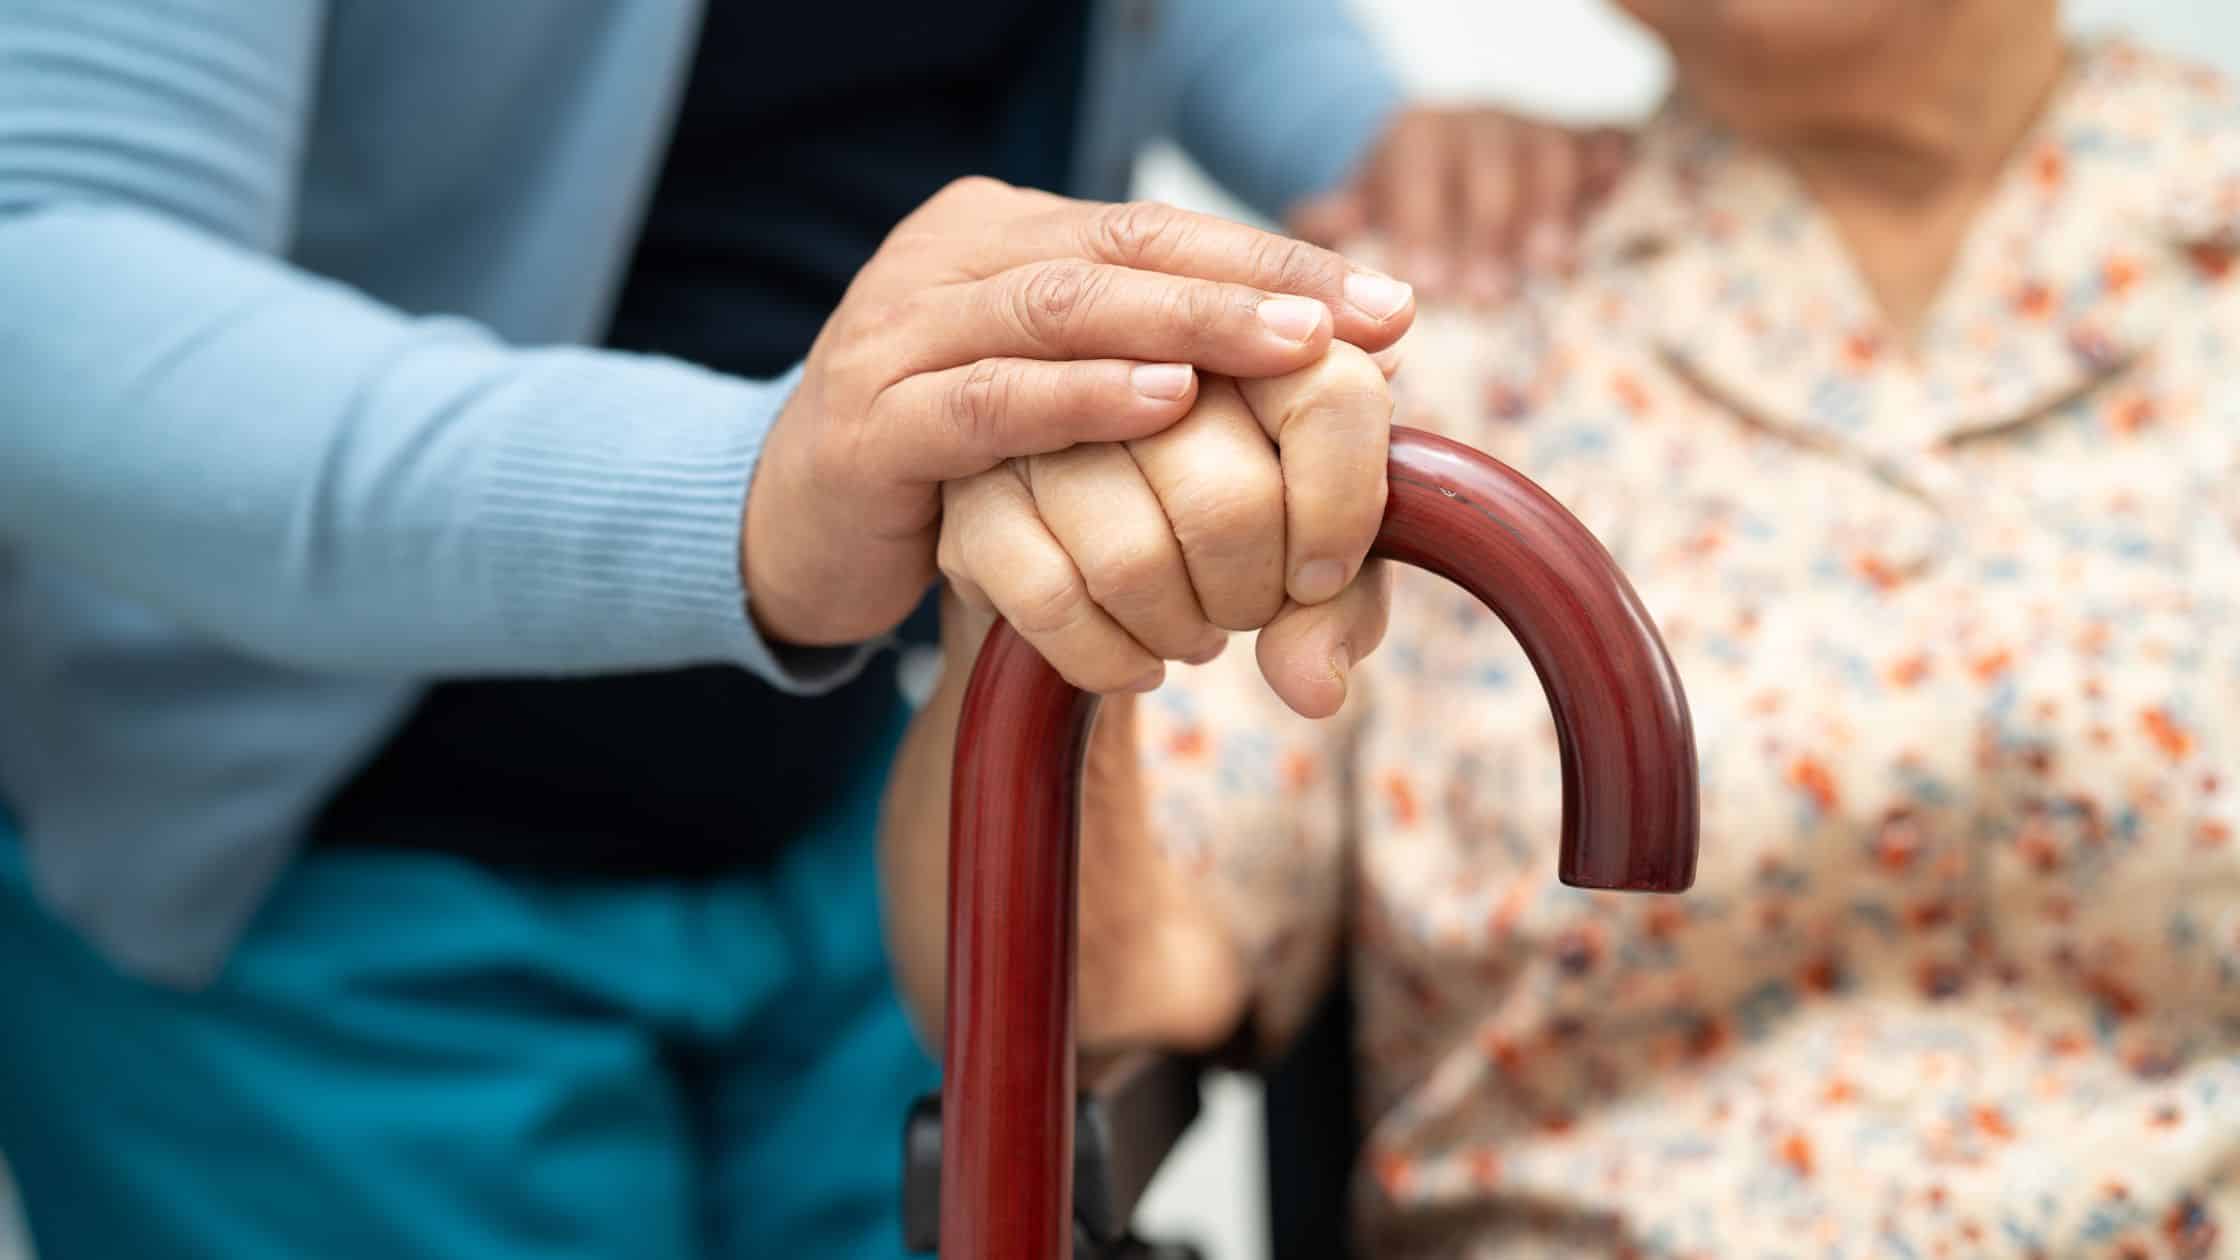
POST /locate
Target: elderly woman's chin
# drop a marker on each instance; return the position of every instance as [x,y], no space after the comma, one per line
[1784,27]
[1770,64]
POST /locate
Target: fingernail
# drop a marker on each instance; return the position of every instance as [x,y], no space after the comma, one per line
[1163,381]
[1377,296]
[1388,361]
[1292,318]
[1149,681]
[1317,580]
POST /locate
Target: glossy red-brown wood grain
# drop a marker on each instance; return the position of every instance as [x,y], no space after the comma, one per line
[1629,819]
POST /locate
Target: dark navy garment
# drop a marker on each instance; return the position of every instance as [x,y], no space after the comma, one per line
[807,131]
[784,177]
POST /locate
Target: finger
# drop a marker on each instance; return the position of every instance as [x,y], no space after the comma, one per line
[1414,184]
[966,618]
[1080,310]
[1218,480]
[966,611]
[1552,213]
[1608,152]
[1331,425]
[935,426]
[1371,308]
[1308,652]
[1328,219]
[1491,175]
[1101,510]
[1003,549]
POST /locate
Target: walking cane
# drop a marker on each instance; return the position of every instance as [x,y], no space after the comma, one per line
[1629,820]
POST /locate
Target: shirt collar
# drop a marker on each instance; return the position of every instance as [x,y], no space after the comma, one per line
[2127,189]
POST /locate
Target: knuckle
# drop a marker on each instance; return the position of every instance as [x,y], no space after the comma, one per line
[1133,233]
[968,190]
[967,514]
[948,554]
[1350,370]
[912,249]
[1229,514]
[981,397]
[877,324]
[856,378]
[872,320]
[914,310]
[1346,387]
[1194,312]
[1129,578]
[1289,266]
[1050,298]
[1047,603]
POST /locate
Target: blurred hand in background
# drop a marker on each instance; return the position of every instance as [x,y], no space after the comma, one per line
[1468,197]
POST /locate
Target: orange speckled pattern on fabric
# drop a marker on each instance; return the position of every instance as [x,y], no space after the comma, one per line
[1960,624]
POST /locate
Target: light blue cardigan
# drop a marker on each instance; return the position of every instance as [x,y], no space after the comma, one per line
[291,417]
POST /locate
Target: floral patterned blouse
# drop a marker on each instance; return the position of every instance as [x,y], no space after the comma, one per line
[1960,976]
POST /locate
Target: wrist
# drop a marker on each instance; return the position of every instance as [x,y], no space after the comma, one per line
[769,550]
[1178,983]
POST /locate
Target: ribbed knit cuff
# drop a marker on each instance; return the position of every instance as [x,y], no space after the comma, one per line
[613,513]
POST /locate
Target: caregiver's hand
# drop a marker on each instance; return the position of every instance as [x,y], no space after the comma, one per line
[1255,510]
[997,322]
[1468,197]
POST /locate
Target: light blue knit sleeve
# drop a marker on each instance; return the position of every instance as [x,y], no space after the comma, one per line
[1280,99]
[287,465]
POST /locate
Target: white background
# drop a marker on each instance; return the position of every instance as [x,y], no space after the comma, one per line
[1567,58]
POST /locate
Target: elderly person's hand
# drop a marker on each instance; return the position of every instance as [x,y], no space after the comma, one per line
[1256,510]
[1111,558]
[997,322]
[1468,197]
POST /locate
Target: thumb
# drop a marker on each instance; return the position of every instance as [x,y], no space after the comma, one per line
[1308,652]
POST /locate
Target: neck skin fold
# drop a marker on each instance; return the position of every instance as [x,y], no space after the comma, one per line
[1903,150]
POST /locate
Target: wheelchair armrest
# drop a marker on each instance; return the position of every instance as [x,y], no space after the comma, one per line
[1128,1122]
[1125,1123]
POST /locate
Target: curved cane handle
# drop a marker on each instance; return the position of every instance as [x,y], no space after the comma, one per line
[1629,818]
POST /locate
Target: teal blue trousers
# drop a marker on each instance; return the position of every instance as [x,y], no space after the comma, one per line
[412,1056]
